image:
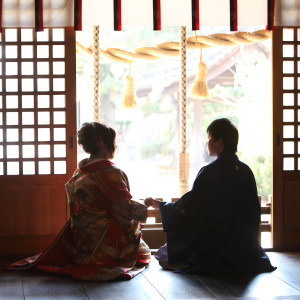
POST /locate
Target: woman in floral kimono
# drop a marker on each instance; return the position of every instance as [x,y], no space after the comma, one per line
[102,240]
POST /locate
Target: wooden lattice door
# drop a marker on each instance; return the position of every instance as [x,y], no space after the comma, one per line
[37,134]
[286,125]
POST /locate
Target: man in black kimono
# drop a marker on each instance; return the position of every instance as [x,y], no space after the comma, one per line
[214,227]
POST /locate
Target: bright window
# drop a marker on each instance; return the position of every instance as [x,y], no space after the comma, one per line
[148,136]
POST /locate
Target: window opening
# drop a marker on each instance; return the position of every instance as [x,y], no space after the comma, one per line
[239,80]
[32,102]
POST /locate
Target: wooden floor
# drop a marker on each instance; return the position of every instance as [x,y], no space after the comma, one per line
[155,283]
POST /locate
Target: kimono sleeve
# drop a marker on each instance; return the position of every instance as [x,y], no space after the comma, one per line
[193,205]
[115,190]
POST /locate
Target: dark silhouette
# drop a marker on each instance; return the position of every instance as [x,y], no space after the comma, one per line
[214,227]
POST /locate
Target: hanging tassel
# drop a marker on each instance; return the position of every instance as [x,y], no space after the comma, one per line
[129,96]
[200,88]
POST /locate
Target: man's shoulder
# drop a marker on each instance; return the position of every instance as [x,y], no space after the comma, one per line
[218,164]
[244,166]
[209,168]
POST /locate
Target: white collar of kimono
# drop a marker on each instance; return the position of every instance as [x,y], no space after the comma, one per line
[85,163]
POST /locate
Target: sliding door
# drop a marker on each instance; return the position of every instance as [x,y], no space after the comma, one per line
[37,134]
[286,125]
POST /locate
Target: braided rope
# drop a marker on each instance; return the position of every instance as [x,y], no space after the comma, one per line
[183,158]
[171,49]
[183,89]
[96,73]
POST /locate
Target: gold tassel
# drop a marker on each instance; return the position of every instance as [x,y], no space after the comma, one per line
[200,88]
[129,96]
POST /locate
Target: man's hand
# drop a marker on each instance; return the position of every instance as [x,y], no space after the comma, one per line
[151,202]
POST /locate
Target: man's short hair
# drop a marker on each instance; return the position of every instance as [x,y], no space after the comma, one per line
[225,130]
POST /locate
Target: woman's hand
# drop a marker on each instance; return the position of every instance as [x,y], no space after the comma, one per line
[151,202]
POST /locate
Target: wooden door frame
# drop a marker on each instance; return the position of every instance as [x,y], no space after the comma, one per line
[31,234]
[285,226]
[277,205]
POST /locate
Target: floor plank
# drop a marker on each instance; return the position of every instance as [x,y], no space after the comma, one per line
[179,286]
[156,283]
[11,286]
[176,286]
[288,267]
[261,285]
[39,285]
[136,288]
